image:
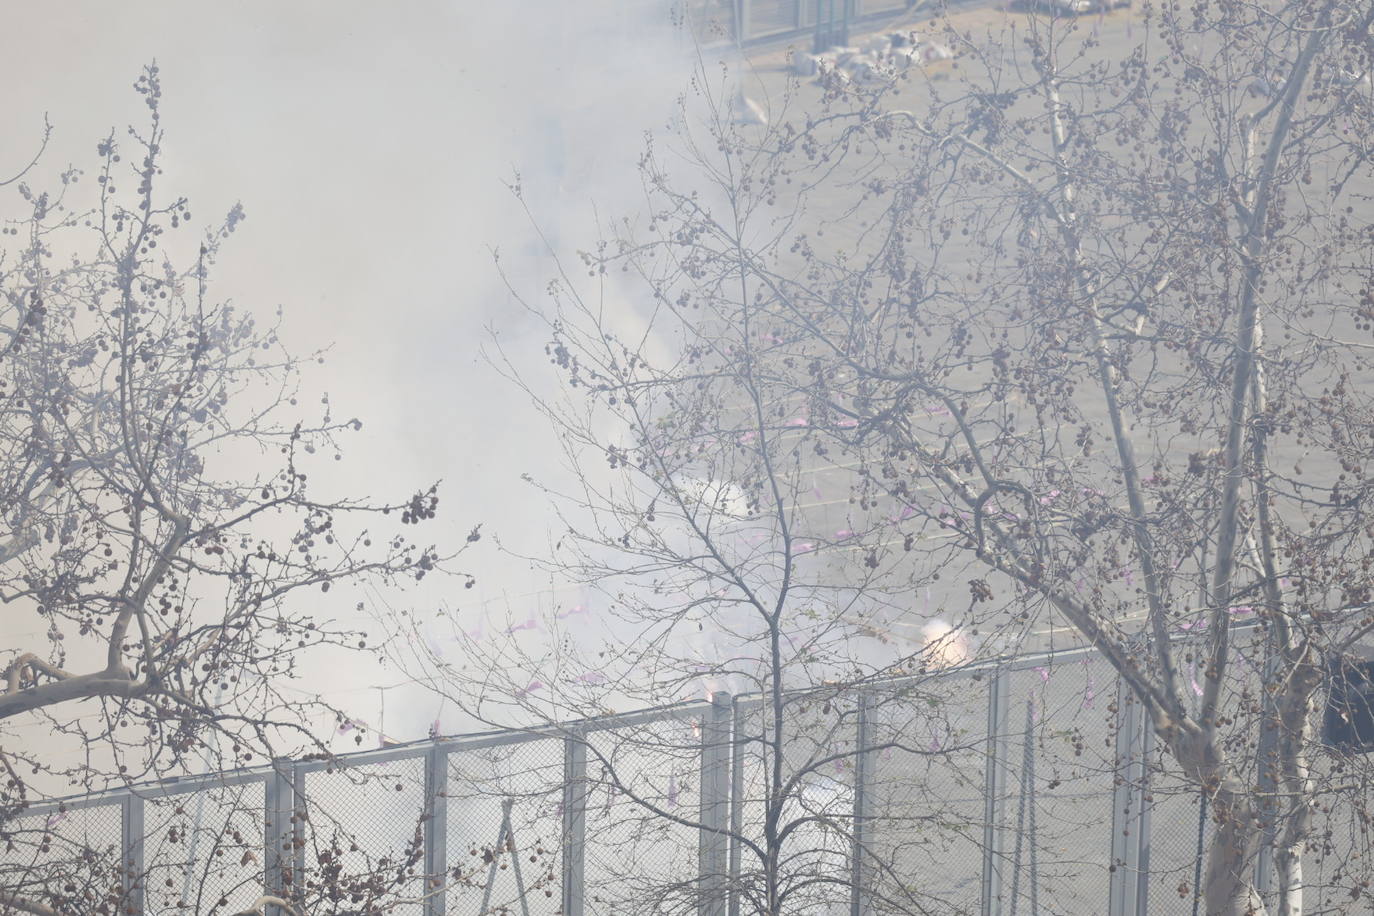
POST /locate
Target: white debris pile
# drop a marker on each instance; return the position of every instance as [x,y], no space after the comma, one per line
[744,110]
[881,58]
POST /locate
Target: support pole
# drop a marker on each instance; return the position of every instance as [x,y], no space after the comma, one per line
[299,818]
[436,829]
[278,838]
[131,842]
[864,761]
[736,807]
[1144,833]
[574,822]
[994,788]
[1268,754]
[715,805]
[1128,802]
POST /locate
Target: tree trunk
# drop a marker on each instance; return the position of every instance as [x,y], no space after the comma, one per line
[1295,780]
[1227,889]
[1288,864]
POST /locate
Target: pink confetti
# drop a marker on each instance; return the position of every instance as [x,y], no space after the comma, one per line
[805,547]
[797,421]
[847,423]
[576,609]
[530,624]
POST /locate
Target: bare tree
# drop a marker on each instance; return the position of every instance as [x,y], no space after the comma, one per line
[702,549]
[165,553]
[1090,307]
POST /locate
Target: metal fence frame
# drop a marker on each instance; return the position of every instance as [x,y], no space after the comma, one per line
[823,19]
[720,802]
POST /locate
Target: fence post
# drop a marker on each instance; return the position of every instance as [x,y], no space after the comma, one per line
[574,822]
[736,805]
[1267,753]
[436,829]
[994,787]
[863,777]
[1144,832]
[1128,800]
[131,841]
[715,803]
[299,819]
[278,846]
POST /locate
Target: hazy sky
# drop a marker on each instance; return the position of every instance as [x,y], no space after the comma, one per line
[368,143]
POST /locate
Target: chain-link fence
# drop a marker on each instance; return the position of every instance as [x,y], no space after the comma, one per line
[752,21]
[1032,786]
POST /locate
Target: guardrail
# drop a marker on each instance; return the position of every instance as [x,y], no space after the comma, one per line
[1018,781]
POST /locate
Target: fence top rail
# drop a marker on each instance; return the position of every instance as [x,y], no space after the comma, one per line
[491,738]
[576,729]
[975,669]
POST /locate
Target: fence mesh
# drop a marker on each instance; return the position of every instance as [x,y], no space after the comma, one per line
[925,836]
[491,857]
[69,858]
[643,798]
[899,775]
[1061,764]
[814,814]
[1338,865]
[1177,814]
[203,850]
[363,841]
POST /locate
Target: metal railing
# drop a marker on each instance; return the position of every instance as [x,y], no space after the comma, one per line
[988,789]
[753,22]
